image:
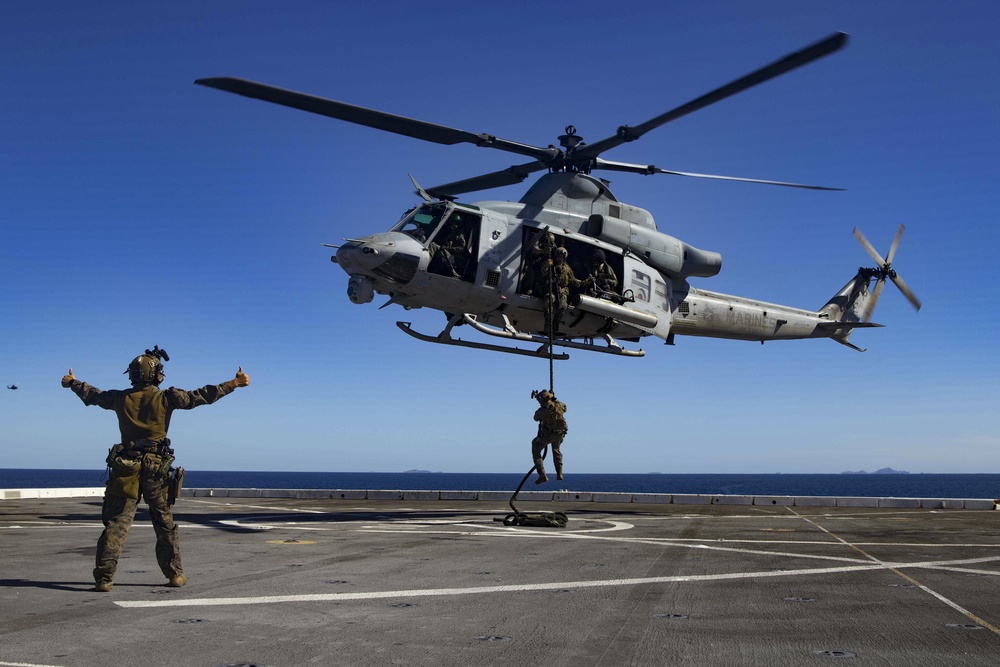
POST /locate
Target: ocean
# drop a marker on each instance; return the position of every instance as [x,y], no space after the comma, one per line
[867,485]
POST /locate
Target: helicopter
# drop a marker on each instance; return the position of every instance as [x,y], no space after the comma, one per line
[479,262]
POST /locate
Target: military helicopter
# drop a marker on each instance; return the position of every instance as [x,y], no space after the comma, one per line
[479,263]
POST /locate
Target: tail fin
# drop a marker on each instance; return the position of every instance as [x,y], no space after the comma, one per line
[845,310]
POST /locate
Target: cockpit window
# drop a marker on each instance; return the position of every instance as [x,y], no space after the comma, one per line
[422,221]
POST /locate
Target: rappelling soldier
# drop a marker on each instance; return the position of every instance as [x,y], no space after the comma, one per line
[552,428]
[535,262]
[140,464]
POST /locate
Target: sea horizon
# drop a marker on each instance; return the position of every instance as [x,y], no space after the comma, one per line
[901,485]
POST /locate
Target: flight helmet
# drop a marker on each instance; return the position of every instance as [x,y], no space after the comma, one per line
[146,369]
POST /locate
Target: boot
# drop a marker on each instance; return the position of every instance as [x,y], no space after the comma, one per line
[177,581]
[102,586]
[540,467]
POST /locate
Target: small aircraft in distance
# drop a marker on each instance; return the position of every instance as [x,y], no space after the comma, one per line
[12,386]
[481,263]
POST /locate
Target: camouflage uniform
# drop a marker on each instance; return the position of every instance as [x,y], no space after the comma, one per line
[602,279]
[553,286]
[143,419]
[535,259]
[447,248]
[552,430]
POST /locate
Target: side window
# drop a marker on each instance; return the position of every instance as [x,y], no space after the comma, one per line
[641,286]
[422,223]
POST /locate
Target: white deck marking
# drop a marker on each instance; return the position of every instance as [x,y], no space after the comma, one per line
[894,567]
[479,590]
[559,585]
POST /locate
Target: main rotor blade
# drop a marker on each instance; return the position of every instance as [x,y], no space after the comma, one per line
[496,179]
[869,247]
[420,191]
[379,120]
[905,289]
[792,61]
[610,165]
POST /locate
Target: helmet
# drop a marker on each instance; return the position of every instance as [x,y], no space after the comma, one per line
[598,256]
[543,395]
[144,370]
[560,252]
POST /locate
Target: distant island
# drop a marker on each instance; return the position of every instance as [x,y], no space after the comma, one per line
[422,471]
[880,471]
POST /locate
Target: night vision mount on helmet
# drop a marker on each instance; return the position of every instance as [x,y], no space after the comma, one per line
[146,369]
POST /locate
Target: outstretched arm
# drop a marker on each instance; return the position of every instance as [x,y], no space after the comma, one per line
[89,395]
[179,399]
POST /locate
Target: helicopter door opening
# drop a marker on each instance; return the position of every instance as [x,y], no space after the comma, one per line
[583,258]
[454,248]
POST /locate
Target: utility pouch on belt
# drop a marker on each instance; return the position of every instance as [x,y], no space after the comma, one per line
[116,450]
[124,478]
[151,464]
[174,489]
[167,459]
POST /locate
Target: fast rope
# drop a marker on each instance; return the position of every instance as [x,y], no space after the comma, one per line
[519,518]
[552,328]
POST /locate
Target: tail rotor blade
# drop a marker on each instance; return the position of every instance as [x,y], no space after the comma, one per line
[870,306]
[895,244]
[905,289]
[868,246]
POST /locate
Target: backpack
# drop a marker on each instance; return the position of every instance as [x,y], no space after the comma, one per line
[554,411]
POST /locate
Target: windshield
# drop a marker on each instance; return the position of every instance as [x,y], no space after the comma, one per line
[421,223]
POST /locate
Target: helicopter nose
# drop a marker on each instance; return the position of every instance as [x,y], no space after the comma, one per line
[385,258]
[359,257]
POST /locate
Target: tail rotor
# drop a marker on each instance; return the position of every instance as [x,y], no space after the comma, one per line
[884,270]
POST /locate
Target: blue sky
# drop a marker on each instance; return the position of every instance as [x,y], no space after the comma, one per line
[140,209]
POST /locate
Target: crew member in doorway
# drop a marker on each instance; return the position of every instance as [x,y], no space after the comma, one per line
[602,279]
[449,254]
[537,259]
[553,286]
[551,431]
[141,463]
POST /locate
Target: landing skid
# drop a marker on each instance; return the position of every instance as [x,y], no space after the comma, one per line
[510,333]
